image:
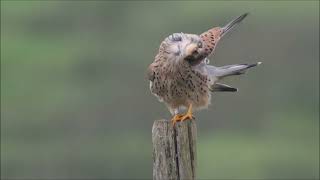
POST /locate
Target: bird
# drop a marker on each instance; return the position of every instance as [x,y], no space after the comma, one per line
[181,77]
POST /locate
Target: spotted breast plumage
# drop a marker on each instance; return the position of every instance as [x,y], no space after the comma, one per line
[181,76]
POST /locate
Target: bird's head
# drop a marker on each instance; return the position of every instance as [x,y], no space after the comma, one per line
[186,48]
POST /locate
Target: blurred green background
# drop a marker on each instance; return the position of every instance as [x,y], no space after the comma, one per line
[75,102]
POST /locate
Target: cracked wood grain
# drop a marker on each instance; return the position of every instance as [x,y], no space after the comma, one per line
[174,150]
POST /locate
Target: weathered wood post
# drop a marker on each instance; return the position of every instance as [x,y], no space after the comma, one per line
[174,150]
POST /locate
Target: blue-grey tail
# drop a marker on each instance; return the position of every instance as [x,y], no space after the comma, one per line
[230,70]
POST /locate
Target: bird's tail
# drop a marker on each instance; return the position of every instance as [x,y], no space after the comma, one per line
[230,70]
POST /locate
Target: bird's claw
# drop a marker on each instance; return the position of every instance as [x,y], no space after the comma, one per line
[176,118]
[187,116]
[179,117]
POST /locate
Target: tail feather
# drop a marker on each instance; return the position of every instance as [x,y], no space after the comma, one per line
[230,70]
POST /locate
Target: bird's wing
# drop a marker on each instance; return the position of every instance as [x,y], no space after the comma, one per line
[210,39]
[150,72]
[218,87]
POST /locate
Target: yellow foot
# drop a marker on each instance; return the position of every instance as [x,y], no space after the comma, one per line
[179,117]
[176,118]
[187,116]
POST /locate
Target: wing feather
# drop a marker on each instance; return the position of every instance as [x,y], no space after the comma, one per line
[150,72]
[210,40]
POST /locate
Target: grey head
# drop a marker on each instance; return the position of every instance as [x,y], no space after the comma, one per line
[185,48]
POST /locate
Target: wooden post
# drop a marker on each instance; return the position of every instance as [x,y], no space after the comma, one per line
[174,150]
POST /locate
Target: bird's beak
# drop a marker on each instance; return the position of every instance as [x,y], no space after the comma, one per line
[231,24]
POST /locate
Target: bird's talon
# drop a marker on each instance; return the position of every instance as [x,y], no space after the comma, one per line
[187,117]
[176,118]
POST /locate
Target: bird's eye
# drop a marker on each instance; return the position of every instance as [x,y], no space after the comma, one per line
[200,44]
[175,37]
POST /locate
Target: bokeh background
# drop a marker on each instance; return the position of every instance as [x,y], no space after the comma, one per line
[75,101]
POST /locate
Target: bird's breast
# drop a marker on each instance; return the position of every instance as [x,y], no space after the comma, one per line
[182,87]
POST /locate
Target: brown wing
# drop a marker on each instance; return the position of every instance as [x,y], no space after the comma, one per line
[152,69]
[150,72]
[210,39]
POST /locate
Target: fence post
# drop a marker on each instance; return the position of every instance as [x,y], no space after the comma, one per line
[174,150]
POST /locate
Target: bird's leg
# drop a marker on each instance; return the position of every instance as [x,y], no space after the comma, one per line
[188,115]
[179,117]
[176,118]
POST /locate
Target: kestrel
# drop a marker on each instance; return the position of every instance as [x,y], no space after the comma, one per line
[181,76]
